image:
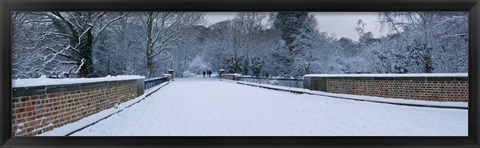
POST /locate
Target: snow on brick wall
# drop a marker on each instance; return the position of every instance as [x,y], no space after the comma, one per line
[44,81]
[230,76]
[42,108]
[431,87]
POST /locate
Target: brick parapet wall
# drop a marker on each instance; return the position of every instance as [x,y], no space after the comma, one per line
[416,88]
[230,76]
[39,109]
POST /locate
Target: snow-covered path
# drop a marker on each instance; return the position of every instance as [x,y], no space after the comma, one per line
[209,107]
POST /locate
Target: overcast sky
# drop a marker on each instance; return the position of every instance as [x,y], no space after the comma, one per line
[341,24]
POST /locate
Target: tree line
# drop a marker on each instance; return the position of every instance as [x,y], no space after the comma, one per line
[97,44]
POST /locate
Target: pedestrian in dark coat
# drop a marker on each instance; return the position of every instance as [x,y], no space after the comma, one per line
[204,74]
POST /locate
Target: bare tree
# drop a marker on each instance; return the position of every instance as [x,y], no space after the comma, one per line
[163,34]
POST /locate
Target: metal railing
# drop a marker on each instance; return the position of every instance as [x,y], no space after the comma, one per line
[297,83]
[152,82]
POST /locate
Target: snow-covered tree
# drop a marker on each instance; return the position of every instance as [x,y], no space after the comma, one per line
[198,65]
[59,42]
[163,35]
[428,37]
[91,44]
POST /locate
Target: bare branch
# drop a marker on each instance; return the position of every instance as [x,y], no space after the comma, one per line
[109,22]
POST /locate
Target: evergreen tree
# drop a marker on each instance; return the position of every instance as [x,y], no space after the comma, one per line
[291,26]
[297,30]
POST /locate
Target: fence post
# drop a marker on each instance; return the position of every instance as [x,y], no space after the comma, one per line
[140,86]
[170,71]
[220,73]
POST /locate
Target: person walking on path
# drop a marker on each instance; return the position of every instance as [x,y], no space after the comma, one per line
[204,74]
[209,73]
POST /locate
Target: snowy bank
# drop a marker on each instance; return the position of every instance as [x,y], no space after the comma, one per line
[43,81]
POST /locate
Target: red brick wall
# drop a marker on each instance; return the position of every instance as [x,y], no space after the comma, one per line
[35,114]
[406,89]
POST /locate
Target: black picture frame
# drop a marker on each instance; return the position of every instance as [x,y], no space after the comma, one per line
[7,6]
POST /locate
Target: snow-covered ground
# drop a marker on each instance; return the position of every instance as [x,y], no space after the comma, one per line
[209,107]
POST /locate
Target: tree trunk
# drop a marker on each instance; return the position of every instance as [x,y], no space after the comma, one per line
[428,65]
[149,53]
[85,48]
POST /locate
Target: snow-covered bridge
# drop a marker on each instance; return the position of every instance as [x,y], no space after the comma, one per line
[209,107]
